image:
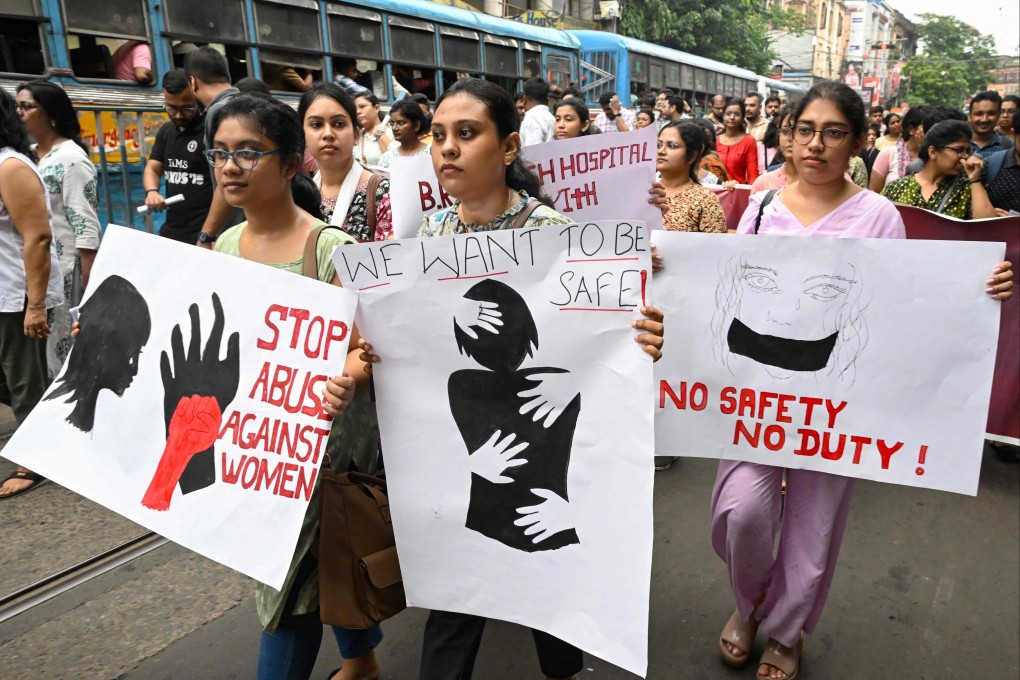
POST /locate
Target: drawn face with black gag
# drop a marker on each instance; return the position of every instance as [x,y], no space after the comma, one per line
[115,325]
[791,317]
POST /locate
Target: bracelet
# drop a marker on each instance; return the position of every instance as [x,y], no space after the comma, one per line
[148,190]
[975,181]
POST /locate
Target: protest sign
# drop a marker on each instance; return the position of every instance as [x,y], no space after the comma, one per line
[190,401]
[516,424]
[733,201]
[867,358]
[1004,411]
[596,177]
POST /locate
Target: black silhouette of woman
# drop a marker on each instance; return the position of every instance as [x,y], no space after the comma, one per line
[486,402]
[115,325]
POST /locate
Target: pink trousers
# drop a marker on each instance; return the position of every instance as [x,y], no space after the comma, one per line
[795,575]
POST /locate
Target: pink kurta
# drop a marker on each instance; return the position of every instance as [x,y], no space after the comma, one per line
[747,509]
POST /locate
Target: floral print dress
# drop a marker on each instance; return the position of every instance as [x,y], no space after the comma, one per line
[72,188]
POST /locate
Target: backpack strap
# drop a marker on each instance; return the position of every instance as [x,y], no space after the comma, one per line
[522,217]
[994,165]
[769,195]
[370,191]
[956,184]
[310,260]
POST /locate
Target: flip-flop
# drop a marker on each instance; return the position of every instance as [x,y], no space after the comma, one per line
[786,659]
[740,635]
[27,475]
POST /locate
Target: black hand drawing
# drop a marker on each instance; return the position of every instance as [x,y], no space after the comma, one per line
[203,374]
[516,459]
[115,326]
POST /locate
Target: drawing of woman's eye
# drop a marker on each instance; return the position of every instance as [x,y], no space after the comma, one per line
[825,292]
[761,282]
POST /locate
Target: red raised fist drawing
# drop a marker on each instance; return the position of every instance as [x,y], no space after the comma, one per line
[193,428]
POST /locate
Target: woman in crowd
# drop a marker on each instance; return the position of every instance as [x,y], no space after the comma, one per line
[70,179]
[375,137]
[891,163]
[868,152]
[689,206]
[950,182]
[711,169]
[29,278]
[786,173]
[332,135]
[257,150]
[476,156]
[770,154]
[783,589]
[572,118]
[737,149]
[893,131]
[645,118]
[408,123]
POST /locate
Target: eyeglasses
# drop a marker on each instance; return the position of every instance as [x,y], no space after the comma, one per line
[962,152]
[180,109]
[831,137]
[246,159]
[673,146]
[25,106]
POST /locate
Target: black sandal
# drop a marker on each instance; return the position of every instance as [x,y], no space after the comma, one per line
[27,475]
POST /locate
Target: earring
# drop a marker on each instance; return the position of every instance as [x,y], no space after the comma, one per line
[53,123]
[508,159]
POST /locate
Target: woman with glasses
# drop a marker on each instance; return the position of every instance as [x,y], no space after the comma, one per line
[70,179]
[408,123]
[950,182]
[689,206]
[258,145]
[782,587]
[786,172]
[737,149]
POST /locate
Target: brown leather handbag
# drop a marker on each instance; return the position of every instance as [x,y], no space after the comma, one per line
[359,575]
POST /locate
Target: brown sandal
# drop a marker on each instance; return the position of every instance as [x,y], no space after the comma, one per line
[785,659]
[740,635]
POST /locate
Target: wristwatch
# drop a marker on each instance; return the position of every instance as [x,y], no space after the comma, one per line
[205,238]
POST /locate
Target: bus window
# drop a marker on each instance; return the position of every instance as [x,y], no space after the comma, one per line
[460,49]
[699,80]
[638,74]
[294,25]
[412,44]
[355,32]
[687,77]
[501,62]
[672,77]
[532,53]
[204,18]
[109,41]
[559,70]
[237,56]
[21,45]
[367,73]
[711,85]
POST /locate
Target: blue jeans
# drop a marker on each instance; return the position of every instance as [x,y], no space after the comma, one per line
[288,653]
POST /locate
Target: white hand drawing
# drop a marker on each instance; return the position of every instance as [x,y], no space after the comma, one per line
[548,518]
[549,397]
[494,457]
[478,314]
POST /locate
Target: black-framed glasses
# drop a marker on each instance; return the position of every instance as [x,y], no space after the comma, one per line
[179,109]
[831,137]
[963,152]
[246,159]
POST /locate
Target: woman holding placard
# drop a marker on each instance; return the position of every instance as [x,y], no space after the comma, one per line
[689,205]
[783,589]
[258,144]
[352,198]
[476,156]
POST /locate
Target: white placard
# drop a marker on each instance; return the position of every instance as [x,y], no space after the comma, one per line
[230,356]
[868,358]
[561,300]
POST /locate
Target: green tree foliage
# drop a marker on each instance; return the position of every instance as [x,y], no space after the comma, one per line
[955,62]
[731,31]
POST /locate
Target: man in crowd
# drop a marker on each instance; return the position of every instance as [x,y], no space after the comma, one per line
[519,103]
[209,77]
[716,116]
[133,61]
[875,116]
[756,123]
[661,119]
[1010,104]
[537,126]
[177,156]
[772,105]
[674,110]
[614,118]
[983,116]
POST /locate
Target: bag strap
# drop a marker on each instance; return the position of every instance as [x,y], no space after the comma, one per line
[761,209]
[370,191]
[994,165]
[310,260]
[525,213]
[949,192]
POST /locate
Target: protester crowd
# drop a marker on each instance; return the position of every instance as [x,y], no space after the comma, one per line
[261,181]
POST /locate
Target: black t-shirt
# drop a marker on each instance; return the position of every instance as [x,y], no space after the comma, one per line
[186,172]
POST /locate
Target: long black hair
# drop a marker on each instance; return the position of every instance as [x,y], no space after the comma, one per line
[55,103]
[12,128]
[772,134]
[695,144]
[371,99]
[334,92]
[503,113]
[734,101]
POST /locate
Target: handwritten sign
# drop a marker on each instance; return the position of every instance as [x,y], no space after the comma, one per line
[599,177]
[867,358]
[190,406]
[513,401]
